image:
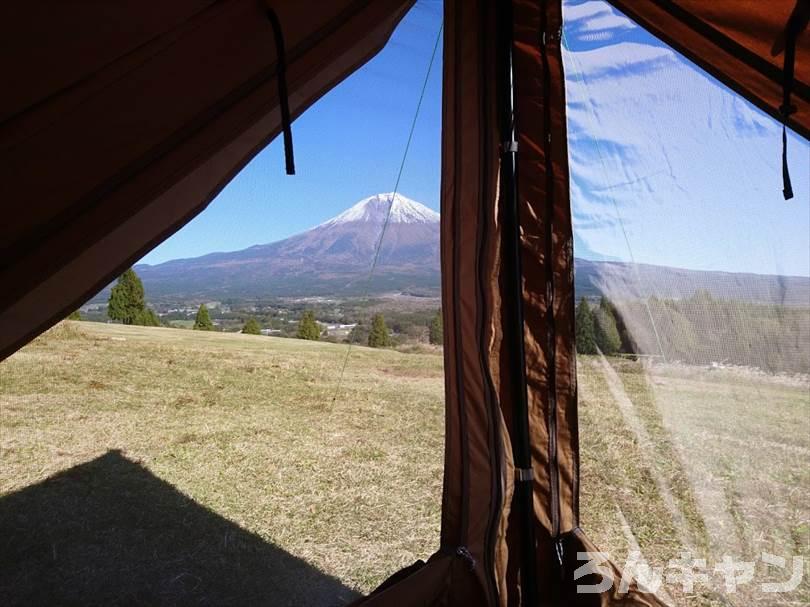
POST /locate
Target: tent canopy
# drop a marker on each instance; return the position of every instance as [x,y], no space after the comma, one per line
[138,117]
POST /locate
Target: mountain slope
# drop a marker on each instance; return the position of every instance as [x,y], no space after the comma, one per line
[333,258]
[620,280]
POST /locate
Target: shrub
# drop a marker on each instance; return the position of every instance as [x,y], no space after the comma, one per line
[436,335]
[252,327]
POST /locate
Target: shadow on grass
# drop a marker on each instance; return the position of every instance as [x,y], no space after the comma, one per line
[109,532]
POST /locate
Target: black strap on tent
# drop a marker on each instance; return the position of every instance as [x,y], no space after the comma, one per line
[786,109]
[787,187]
[284,102]
[512,273]
[796,23]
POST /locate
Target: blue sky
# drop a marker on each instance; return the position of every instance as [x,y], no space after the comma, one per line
[668,166]
[348,146]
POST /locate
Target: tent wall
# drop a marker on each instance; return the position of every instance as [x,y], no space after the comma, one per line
[476,459]
[122,124]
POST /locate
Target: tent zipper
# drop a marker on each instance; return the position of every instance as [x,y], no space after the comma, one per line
[512,274]
[554,464]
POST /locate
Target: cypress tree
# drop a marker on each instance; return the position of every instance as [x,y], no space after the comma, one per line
[436,333]
[252,327]
[203,321]
[586,339]
[308,328]
[126,301]
[627,343]
[605,331]
[379,337]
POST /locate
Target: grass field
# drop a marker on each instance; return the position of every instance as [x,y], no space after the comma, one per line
[152,466]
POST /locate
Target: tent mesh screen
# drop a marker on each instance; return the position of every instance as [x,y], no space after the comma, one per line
[693,322]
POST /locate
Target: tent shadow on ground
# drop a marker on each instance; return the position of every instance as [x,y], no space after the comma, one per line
[109,532]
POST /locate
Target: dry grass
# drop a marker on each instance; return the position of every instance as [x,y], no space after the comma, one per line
[708,462]
[246,427]
[146,466]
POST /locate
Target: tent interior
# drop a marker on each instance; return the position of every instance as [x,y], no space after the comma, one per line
[625,267]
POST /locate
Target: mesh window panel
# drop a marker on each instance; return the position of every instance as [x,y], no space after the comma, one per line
[693,322]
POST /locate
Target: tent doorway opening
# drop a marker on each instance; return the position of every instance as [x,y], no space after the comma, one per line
[266,427]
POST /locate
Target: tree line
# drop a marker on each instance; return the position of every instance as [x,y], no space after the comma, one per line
[698,330]
[694,330]
[127,304]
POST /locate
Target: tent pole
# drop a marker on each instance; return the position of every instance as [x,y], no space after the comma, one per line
[512,275]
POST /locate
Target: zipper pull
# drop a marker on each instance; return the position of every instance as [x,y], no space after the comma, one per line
[560,551]
[464,553]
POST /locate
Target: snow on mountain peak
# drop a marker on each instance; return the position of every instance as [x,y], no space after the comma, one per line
[374,209]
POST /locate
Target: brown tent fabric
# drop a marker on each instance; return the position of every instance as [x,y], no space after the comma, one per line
[741,43]
[119,123]
[478,517]
[122,123]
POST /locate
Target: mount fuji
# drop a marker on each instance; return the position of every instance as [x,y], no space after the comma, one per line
[333,258]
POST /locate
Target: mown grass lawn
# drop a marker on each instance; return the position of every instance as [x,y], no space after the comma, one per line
[146,466]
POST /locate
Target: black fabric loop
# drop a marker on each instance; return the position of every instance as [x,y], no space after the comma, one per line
[787,187]
[284,102]
[796,23]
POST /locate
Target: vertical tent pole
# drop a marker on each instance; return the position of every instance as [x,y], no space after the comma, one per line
[512,275]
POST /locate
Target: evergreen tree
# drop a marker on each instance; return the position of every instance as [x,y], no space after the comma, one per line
[605,330]
[308,328]
[585,330]
[75,315]
[379,337]
[127,299]
[436,333]
[627,342]
[252,327]
[203,321]
[146,318]
[358,334]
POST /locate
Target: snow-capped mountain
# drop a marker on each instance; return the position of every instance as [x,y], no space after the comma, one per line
[374,209]
[332,258]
